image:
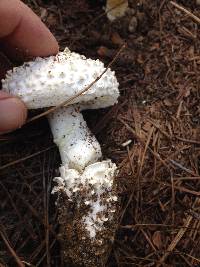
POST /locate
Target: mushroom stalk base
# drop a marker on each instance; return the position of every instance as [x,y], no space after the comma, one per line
[87,213]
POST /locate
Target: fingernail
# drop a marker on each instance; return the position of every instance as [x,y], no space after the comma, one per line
[12,114]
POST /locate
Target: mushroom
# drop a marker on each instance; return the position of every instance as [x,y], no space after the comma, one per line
[86,189]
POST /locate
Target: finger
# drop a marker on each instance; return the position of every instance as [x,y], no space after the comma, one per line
[21,30]
[13,113]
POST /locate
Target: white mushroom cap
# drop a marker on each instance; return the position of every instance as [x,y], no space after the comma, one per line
[78,147]
[47,82]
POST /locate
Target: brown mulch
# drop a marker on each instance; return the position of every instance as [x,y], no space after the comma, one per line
[158,114]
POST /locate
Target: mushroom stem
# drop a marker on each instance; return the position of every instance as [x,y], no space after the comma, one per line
[87,201]
[78,147]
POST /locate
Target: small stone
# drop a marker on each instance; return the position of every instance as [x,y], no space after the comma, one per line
[128,142]
[133,25]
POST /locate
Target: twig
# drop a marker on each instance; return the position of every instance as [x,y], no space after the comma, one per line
[69,101]
[156,155]
[159,128]
[148,240]
[36,215]
[46,216]
[17,259]
[190,256]
[186,11]
[175,163]
[187,178]
[22,220]
[25,158]
[175,241]
[181,188]
[188,140]
[42,258]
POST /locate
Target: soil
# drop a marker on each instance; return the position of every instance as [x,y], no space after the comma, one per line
[158,114]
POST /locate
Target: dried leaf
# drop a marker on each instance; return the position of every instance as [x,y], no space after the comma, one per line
[167,102]
[116,9]
[157,240]
[116,39]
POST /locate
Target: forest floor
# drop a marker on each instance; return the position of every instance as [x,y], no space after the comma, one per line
[158,114]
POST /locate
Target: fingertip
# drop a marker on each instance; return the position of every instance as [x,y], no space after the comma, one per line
[22,32]
[13,113]
[50,47]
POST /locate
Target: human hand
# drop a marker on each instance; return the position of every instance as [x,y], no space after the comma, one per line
[21,34]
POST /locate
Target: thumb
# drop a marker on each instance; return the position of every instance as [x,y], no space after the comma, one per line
[13,112]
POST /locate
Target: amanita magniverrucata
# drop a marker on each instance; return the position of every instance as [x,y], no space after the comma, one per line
[86,200]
